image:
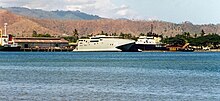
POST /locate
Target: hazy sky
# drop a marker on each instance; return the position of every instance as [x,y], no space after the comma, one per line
[195,11]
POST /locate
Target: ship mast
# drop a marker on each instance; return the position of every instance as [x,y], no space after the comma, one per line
[5,25]
[151,28]
[1,37]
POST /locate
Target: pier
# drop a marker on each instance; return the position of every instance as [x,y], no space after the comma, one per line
[46,49]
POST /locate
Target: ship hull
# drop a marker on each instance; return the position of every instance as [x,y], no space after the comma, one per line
[128,48]
[123,48]
[149,47]
[2,48]
[186,50]
[96,50]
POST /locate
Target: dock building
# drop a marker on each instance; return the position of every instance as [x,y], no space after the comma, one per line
[42,43]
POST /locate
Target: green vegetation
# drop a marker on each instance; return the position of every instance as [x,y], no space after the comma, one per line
[74,37]
[71,38]
[211,40]
[35,34]
[177,40]
[125,36]
[122,35]
[103,33]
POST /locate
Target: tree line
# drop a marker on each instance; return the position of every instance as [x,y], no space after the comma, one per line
[35,34]
[211,40]
[201,39]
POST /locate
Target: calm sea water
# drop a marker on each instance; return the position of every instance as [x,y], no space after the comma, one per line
[75,76]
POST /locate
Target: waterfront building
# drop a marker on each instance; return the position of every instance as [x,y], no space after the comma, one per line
[41,42]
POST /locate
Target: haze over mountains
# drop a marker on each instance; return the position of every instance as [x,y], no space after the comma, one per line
[60,15]
[23,21]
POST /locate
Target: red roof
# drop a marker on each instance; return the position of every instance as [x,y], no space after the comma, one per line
[39,40]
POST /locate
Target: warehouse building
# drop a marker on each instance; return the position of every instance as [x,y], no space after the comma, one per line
[41,42]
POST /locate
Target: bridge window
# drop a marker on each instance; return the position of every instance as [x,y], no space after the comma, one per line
[94,41]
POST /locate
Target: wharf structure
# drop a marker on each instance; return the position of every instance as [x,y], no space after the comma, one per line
[184,48]
[43,44]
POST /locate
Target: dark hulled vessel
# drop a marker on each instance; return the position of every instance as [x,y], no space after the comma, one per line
[150,43]
[7,43]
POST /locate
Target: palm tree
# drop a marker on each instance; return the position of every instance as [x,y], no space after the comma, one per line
[195,35]
[76,34]
[202,32]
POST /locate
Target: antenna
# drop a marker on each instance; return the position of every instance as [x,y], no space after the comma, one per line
[5,25]
[151,29]
[1,37]
[0,31]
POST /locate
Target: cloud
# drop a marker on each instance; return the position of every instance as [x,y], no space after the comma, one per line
[104,8]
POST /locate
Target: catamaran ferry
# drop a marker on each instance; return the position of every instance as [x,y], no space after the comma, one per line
[103,43]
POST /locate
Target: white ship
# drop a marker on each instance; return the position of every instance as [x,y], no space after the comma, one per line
[6,41]
[102,43]
[150,42]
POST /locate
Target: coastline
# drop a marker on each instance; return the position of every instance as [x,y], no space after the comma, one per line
[211,50]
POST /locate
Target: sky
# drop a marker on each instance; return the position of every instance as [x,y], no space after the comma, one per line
[177,11]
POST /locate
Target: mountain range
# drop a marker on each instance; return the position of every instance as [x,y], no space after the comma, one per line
[23,21]
[60,15]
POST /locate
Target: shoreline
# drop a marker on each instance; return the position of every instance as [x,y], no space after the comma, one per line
[70,50]
[211,50]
